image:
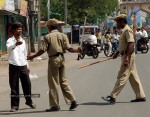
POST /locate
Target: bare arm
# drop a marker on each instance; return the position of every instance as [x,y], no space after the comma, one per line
[129,51]
[73,50]
[30,57]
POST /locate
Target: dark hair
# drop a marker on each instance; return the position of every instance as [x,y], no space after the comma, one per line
[122,20]
[53,27]
[16,25]
[92,32]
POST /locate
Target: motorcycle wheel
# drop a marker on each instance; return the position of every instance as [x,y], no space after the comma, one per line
[145,50]
[82,55]
[106,52]
[95,53]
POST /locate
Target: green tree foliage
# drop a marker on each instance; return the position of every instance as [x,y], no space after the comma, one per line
[78,8]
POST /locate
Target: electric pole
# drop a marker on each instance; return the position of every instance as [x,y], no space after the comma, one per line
[48,9]
[65,10]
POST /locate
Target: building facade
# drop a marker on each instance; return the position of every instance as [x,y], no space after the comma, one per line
[10,11]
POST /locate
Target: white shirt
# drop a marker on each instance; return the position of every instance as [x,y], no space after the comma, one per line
[92,39]
[116,36]
[17,55]
[144,34]
[138,35]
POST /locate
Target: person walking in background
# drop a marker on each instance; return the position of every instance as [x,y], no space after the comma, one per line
[56,44]
[18,68]
[108,38]
[98,35]
[128,68]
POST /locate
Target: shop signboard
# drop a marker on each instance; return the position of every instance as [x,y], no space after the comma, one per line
[9,5]
[23,10]
[2,4]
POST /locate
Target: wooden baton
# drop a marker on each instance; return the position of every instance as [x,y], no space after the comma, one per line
[95,62]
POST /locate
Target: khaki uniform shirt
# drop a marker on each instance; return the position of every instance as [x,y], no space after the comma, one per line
[125,37]
[55,42]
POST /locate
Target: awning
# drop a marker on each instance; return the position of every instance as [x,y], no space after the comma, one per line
[5,12]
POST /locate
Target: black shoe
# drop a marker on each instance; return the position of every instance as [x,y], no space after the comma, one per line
[139,100]
[56,108]
[33,106]
[14,109]
[109,99]
[73,105]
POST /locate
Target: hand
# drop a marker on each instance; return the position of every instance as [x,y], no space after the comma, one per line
[115,56]
[79,50]
[29,57]
[18,43]
[126,62]
[28,70]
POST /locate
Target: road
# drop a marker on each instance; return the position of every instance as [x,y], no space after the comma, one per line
[89,85]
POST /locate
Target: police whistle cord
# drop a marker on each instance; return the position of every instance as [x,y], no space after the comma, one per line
[95,62]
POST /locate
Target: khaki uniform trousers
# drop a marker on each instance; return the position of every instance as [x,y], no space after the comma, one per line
[130,73]
[56,77]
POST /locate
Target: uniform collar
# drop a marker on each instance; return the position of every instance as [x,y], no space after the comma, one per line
[125,28]
[54,31]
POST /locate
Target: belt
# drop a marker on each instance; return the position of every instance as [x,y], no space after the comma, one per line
[57,54]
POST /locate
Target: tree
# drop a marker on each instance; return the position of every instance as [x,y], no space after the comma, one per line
[78,8]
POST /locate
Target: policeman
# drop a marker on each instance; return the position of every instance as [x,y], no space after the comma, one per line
[128,68]
[56,44]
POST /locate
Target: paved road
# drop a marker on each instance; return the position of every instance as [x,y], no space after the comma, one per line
[88,84]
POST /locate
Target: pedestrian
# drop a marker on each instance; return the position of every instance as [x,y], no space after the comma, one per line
[128,68]
[56,44]
[108,38]
[18,68]
[99,35]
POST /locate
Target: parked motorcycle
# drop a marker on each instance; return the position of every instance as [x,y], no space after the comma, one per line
[89,50]
[114,48]
[143,46]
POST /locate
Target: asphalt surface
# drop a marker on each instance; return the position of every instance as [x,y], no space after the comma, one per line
[88,84]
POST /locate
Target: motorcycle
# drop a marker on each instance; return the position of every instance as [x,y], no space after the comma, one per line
[143,45]
[115,44]
[89,50]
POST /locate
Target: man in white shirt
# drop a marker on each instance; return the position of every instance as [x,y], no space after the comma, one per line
[92,39]
[144,36]
[144,33]
[138,35]
[17,58]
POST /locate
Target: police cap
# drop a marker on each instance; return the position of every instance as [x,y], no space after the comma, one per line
[121,16]
[52,22]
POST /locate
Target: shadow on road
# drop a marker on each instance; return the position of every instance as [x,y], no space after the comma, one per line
[100,103]
[7,112]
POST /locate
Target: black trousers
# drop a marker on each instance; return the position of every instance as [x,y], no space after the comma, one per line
[22,73]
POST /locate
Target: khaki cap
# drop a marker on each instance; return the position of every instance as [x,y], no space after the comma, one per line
[121,16]
[52,22]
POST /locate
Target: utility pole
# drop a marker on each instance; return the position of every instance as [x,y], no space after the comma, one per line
[65,10]
[39,25]
[48,9]
[30,13]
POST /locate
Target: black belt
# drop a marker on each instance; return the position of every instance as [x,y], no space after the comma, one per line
[57,54]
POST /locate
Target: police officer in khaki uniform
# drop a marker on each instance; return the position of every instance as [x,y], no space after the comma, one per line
[128,68]
[56,44]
